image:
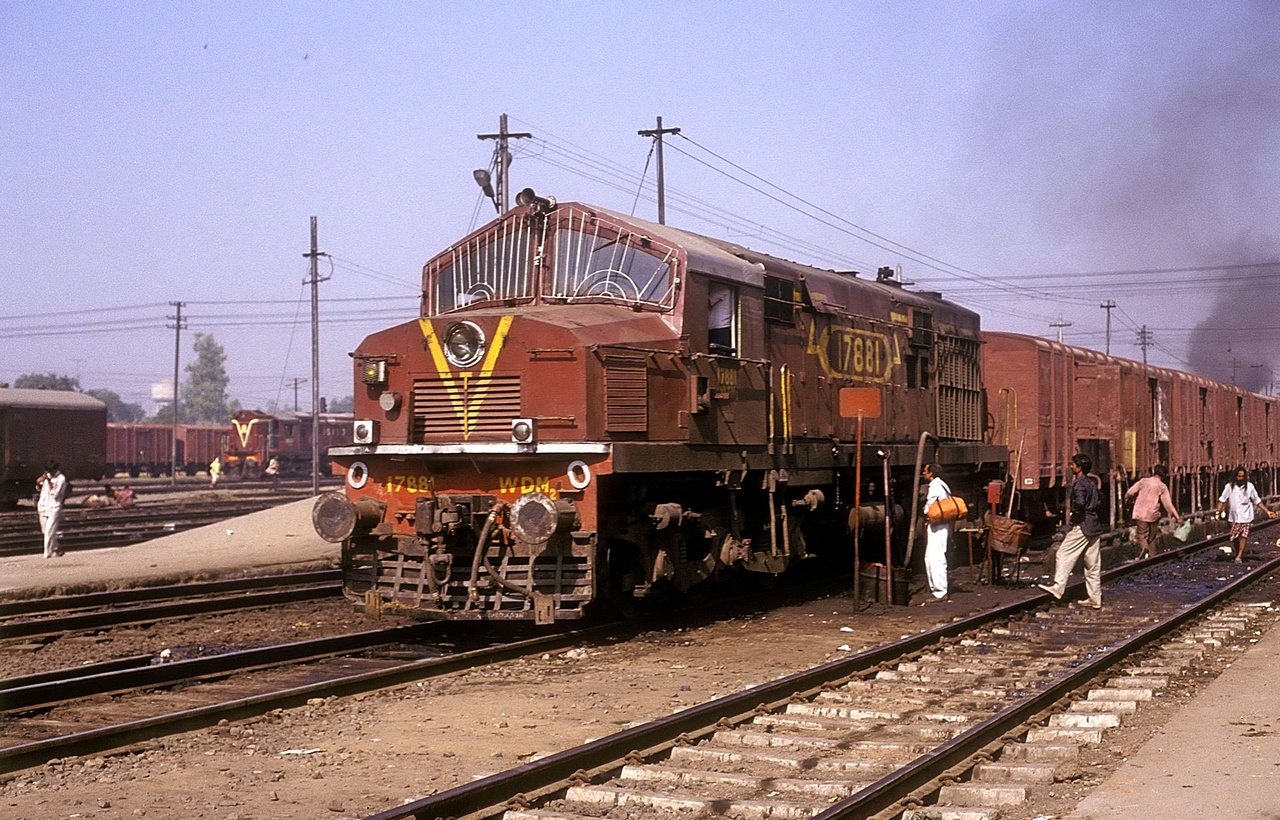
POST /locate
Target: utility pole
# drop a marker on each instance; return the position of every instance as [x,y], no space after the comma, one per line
[178,325]
[1059,325]
[315,281]
[502,159]
[1235,365]
[296,381]
[1108,306]
[1144,341]
[657,133]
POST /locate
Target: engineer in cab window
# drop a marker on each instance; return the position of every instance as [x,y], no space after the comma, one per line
[722,308]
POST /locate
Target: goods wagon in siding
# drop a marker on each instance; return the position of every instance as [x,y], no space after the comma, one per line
[37,426]
[1047,401]
[135,448]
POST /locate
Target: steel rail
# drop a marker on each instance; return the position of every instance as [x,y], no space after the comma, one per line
[119,736]
[889,791]
[70,684]
[539,776]
[114,737]
[155,612]
[90,529]
[88,600]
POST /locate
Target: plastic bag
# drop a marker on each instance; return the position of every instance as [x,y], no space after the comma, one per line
[1183,532]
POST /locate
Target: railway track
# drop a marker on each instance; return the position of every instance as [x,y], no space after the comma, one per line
[85,529]
[81,711]
[213,689]
[962,721]
[45,617]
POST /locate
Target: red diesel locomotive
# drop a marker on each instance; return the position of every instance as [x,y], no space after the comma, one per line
[256,437]
[592,407]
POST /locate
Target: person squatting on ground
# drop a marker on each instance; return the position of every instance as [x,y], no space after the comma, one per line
[1149,495]
[935,549]
[1083,537]
[1238,499]
[53,490]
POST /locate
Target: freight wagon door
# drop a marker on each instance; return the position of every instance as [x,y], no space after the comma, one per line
[1097,401]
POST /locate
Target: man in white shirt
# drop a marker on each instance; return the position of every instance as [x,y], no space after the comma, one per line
[1238,500]
[53,489]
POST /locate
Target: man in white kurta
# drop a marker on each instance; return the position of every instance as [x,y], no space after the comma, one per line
[53,488]
[935,549]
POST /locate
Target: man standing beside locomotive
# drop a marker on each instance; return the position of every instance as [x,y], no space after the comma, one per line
[1151,494]
[1238,500]
[1083,538]
[935,549]
[53,489]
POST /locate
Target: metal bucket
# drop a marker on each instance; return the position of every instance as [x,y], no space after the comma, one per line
[871,577]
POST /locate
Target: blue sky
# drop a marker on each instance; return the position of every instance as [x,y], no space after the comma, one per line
[1029,160]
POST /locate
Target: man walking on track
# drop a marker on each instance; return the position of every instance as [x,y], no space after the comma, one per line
[1083,538]
[1150,495]
[1238,500]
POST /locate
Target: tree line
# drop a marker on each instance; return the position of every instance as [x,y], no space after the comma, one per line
[204,391]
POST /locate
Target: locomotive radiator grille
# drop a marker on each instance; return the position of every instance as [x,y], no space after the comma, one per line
[959,390]
[465,405]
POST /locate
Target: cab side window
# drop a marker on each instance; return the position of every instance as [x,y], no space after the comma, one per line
[722,318]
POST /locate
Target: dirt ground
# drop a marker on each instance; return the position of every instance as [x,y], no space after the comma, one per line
[357,756]
[346,758]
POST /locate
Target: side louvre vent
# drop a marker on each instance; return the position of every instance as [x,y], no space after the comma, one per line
[626,395]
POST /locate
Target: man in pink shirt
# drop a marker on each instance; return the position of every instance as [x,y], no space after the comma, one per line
[1152,494]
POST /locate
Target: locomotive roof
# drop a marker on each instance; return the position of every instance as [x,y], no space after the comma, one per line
[48,399]
[738,263]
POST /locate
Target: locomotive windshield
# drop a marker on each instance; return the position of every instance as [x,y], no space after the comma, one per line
[587,259]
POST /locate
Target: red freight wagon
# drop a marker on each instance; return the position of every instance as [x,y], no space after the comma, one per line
[198,445]
[37,426]
[1051,400]
[134,448]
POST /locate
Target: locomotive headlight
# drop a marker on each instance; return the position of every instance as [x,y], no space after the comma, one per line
[364,431]
[522,431]
[389,401]
[373,371]
[463,344]
[535,517]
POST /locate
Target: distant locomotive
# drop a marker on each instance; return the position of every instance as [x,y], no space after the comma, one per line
[37,426]
[1048,401]
[256,437]
[595,408]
